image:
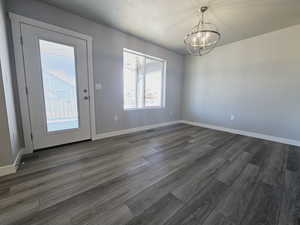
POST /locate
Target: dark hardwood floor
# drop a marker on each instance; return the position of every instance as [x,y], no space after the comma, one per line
[177,175]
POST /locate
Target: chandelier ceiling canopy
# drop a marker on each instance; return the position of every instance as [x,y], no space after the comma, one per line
[203,38]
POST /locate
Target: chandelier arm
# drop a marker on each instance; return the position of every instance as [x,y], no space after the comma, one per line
[199,23]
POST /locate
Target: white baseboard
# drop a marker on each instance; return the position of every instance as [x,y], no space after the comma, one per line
[245,133]
[133,130]
[10,169]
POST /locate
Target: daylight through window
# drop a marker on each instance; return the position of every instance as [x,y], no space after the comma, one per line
[144,81]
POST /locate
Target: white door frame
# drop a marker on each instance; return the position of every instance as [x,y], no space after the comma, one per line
[16,21]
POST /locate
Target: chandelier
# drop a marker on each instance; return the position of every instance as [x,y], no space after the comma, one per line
[203,38]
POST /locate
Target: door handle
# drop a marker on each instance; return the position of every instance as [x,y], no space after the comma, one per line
[86,97]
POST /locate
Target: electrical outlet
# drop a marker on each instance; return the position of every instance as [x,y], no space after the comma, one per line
[116,118]
[232,117]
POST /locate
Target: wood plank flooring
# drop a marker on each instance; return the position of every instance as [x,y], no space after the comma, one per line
[176,175]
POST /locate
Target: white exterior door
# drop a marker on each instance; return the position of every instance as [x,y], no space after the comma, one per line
[56,72]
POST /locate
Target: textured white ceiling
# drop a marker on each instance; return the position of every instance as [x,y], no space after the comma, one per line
[165,22]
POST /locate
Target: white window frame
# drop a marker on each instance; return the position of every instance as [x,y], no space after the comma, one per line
[163,86]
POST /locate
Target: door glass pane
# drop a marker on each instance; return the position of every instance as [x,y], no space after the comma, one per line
[154,79]
[59,83]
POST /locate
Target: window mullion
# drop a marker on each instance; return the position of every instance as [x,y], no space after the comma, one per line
[136,86]
[162,96]
[144,81]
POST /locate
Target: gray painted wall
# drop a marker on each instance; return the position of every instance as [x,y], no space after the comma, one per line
[9,132]
[257,80]
[108,66]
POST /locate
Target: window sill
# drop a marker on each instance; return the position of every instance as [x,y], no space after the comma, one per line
[145,108]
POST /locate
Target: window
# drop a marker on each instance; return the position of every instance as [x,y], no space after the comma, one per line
[144,81]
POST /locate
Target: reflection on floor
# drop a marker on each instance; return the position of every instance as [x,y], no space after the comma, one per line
[173,175]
